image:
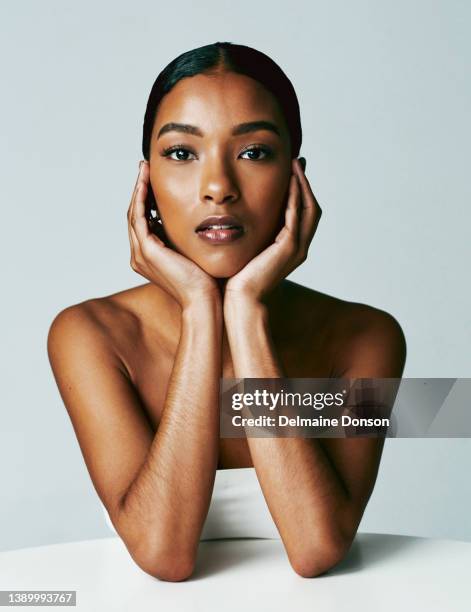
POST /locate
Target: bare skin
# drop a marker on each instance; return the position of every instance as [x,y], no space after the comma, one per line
[139,370]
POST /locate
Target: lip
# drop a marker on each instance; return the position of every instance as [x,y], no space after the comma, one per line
[220,220]
[220,236]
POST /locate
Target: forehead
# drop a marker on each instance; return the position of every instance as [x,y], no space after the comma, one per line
[218,101]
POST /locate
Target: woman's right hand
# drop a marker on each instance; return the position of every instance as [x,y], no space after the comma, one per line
[150,257]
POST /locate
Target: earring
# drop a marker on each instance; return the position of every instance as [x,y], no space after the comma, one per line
[155,216]
[156,222]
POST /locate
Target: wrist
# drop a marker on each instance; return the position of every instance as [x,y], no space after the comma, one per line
[240,307]
[201,296]
[203,307]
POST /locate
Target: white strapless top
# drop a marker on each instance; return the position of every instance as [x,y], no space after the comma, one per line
[237,510]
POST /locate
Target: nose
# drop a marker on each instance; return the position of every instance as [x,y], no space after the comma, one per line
[217,184]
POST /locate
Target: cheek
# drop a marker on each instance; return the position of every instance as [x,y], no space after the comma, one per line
[174,199]
[268,202]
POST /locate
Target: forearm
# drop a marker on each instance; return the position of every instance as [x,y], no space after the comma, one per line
[304,494]
[167,502]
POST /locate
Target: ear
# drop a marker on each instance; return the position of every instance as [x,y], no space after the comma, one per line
[302,161]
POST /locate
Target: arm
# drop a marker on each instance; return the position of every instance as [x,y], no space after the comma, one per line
[171,493]
[316,489]
[300,487]
[156,488]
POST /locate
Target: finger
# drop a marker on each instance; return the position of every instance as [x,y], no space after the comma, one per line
[130,213]
[144,236]
[310,198]
[290,228]
[138,219]
[137,262]
[310,209]
[133,195]
[133,244]
[285,229]
[138,252]
[136,256]
[141,164]
[135,247]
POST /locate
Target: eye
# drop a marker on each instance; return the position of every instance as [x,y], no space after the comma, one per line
[176,149]
[256,153]
[257,150]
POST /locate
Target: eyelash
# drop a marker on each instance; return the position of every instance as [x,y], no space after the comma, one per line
[263,149]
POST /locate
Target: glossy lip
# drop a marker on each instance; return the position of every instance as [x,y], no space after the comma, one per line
[221,236]
[220,220]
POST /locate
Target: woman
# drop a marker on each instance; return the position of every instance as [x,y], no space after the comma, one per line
[139,370]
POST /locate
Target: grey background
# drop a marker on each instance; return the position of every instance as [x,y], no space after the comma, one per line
[385,104]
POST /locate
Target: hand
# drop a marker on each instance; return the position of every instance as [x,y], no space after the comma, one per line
[175,273]
[290,248]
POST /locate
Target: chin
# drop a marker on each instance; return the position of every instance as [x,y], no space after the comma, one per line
[221,271]
[221,267]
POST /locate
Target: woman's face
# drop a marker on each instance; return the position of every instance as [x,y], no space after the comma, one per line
[210,170]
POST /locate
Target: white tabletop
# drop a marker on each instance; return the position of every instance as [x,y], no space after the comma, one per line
[380,573]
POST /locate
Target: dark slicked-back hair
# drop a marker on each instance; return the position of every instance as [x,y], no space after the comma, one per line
[235,58]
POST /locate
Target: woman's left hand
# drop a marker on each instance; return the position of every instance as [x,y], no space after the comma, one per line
[288,251]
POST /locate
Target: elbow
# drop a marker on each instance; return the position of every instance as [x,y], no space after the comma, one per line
[167,567]
[319,559]
[161,560]
[170,572]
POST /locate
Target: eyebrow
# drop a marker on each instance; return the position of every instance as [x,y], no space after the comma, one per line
[242,128]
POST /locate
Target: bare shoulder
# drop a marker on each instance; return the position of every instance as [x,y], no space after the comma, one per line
[104,323]
[364,340]
[372,342]
[355,319]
